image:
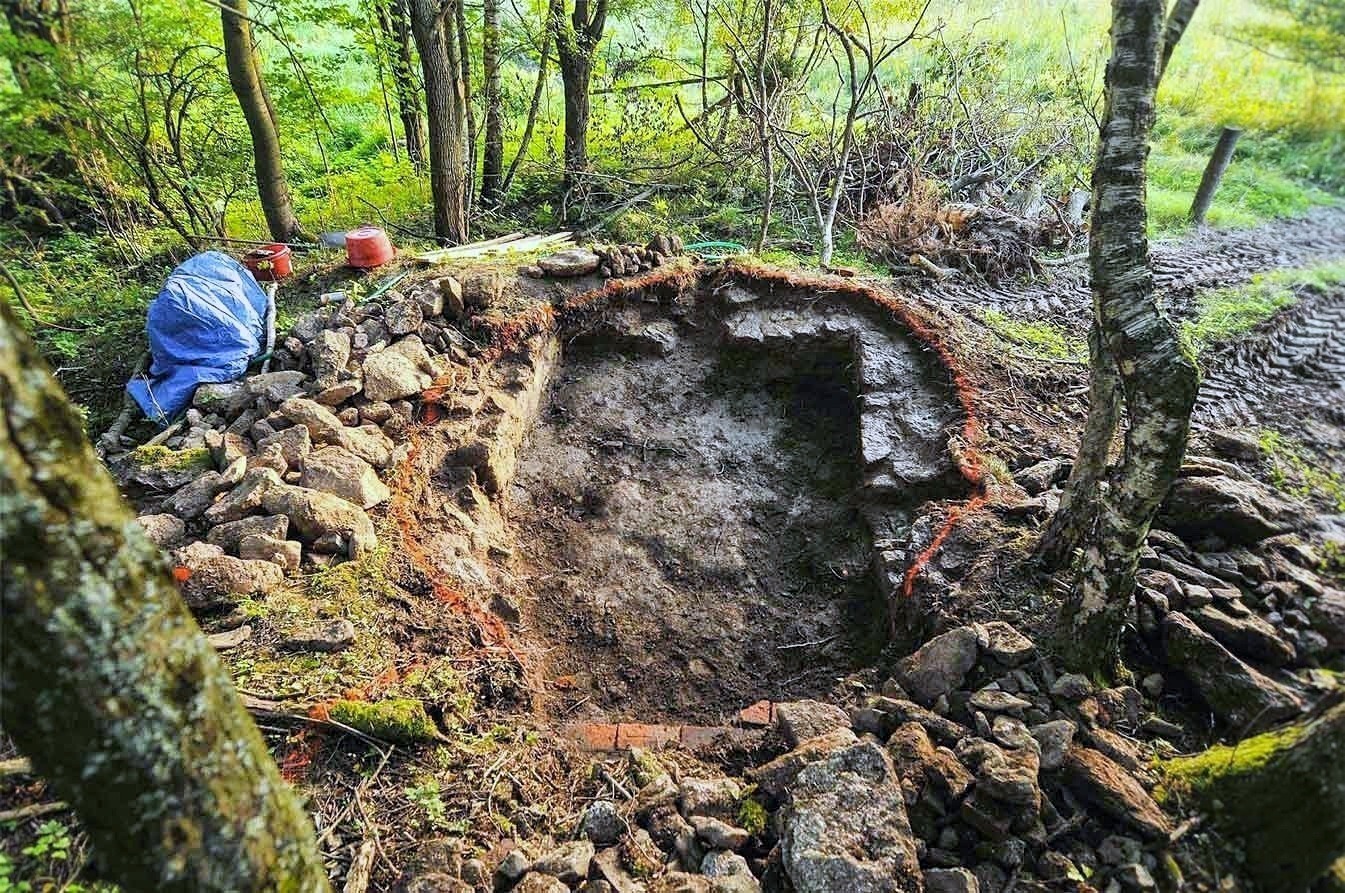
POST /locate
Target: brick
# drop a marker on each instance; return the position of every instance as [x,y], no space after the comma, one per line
[594,736]
[629,734]
[760,714]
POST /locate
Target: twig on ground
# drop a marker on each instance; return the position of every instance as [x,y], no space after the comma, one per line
[33,811]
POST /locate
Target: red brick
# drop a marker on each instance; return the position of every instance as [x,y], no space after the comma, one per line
[594,736]
[630,734]
[762,714]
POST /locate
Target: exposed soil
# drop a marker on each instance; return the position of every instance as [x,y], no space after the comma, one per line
[693,542]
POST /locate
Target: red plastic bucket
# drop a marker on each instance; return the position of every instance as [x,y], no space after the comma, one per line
[269,263]
[368,247]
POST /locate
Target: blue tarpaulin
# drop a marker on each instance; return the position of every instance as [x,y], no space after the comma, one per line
[205,324]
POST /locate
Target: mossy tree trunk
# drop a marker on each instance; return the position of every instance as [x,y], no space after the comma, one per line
[106,682]
[240,57]
[395,23]
[1158,379]
[1281,795]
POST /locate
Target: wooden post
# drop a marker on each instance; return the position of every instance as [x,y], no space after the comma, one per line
[1214,172]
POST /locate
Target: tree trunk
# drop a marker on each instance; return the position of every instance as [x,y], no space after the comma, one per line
[1280,794]
[763,124]
[492,157]
[447,116]
[1080,500]
[1214,172]
[394,21]
[1073,521]
[107,683]
[1178,19]
[240,55]
[576,71]
[1158,379]
[465,62]
[576,46]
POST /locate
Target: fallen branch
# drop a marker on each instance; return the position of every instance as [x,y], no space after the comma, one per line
[361,868]
[34,811]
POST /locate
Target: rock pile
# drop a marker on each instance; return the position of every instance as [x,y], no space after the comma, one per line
[628,260]
[276,473]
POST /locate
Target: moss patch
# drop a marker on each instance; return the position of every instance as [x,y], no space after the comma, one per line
[399,720]
[752,816]
[1294,471]
[1039,338]
[1228,312]
[161,458]
[1195,774]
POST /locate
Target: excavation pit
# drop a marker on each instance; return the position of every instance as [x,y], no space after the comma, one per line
[709,505]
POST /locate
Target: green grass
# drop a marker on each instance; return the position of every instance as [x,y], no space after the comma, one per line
[1225,313]
[1039,339]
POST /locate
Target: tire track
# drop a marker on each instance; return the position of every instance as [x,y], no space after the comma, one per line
[1181,270]
[1292,367]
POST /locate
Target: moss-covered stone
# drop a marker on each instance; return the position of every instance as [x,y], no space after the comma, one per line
[1278,794]
[1195,774]
[399,720]
[161,458]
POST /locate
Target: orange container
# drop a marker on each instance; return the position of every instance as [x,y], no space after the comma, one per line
[269,262]
[368,247]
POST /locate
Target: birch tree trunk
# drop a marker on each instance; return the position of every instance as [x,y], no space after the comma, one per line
[447,115]
[1080,500]
[1158,380]
[240,57]
[492,155]
[465,64]
[107,684]
[1073,521]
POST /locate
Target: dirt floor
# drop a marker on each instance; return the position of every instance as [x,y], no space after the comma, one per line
[692,544]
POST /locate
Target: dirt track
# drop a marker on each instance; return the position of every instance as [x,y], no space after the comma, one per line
[1181,268]
[1289,370]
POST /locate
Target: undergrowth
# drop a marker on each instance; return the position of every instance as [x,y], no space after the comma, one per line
[1039,339]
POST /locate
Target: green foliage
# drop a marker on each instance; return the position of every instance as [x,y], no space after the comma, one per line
[1041,339]
[1295,471]
[428,798]
[45,858]
[1309,31]
[752,816]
